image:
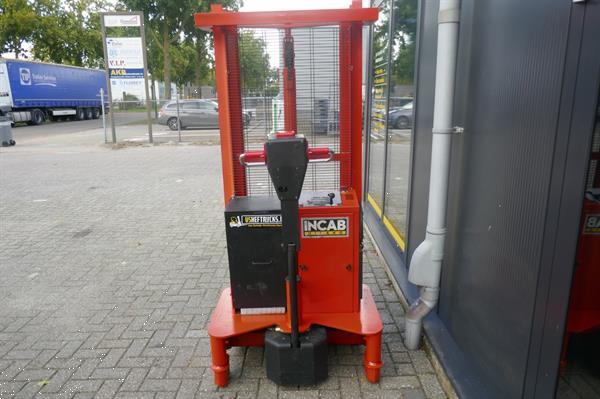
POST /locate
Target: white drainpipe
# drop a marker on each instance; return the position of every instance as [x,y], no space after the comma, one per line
[426,263]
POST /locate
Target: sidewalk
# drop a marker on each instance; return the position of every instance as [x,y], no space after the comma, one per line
[110,264]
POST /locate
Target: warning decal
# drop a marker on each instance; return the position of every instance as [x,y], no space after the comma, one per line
[591,224]
[255,221]
[324,227]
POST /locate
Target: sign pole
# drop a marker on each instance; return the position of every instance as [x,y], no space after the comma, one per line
[103,114]
[148,104]
[110,103]
[178,123]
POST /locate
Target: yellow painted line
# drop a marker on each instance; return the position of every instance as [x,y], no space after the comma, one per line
[397,237]
[373,203]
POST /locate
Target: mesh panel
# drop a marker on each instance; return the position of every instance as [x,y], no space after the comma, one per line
[317,97]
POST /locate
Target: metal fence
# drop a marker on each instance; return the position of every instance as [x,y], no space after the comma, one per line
[183,120]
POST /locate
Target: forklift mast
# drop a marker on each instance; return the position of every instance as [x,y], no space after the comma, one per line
[292,181]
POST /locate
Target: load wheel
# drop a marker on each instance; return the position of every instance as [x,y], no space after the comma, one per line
[37,117]
[95,113]
[88,113]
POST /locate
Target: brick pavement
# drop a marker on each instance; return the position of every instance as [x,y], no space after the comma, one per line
[110,263]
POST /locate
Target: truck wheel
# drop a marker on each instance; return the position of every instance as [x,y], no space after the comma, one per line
[88,113]
[37,117]
[80,114]
[12,142]
[172,123]
[95,113]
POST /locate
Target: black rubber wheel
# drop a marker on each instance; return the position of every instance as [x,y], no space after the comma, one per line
[37,117]
[80,114]
[96,113]
[172,123]
[12,142]
[88,113]
[402,123]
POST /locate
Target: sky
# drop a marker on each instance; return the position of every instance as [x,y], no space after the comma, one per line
[277,5]
[274,5]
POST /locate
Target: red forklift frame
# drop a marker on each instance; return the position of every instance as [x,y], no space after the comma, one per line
[360,322]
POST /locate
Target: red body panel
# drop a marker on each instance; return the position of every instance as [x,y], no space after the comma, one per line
[324,260]
[584,308]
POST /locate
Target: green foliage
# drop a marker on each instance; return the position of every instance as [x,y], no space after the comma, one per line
[69,33]
[258,76]
[404,32]
[404,39]
[176,48]
[18,22]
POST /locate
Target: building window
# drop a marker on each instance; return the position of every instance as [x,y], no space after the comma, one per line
[380,53]
[391,128]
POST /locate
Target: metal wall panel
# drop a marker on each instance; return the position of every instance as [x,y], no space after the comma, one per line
[423,122]
[509,89]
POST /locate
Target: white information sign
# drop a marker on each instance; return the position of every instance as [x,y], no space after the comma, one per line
[125,52]
[122,20]
[126,66]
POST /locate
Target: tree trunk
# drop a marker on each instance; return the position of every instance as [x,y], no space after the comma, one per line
[198,71]
[167,60]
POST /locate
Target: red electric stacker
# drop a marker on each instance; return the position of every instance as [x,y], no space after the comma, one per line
[584,305]
[295,256]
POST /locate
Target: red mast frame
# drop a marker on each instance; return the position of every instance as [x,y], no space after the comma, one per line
[224,26]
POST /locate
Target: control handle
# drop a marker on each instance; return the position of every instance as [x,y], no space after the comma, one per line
[259,158]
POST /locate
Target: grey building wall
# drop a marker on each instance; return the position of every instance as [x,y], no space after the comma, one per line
[505,180]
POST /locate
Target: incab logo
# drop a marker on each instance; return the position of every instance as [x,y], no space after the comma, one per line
[324,227]
[592,224]
[25,76]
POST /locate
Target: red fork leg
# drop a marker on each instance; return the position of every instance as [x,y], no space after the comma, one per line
[220,361]
[373,361]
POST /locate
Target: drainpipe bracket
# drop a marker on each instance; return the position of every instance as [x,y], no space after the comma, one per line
[447,130]
[451,15]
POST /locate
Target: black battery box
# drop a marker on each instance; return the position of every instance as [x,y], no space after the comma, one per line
[257,264]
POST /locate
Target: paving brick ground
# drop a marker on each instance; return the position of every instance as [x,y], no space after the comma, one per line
[110,264]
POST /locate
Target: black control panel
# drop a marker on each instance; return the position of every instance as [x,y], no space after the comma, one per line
[257,263]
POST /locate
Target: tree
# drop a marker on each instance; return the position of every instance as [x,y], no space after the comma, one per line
[69,33]
[405,33]
[258,77]
[169,23]
[18,21]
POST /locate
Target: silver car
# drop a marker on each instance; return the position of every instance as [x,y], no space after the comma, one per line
[193,114]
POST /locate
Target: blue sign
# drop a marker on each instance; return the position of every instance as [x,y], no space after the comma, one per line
[126,73]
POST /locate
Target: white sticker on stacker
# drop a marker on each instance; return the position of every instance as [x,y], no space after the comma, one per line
[330,227]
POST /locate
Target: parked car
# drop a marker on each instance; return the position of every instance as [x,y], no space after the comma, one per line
[401,117]
[399,102]
[193,113]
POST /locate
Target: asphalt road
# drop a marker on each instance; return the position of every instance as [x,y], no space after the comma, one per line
[130,127]
[22,131]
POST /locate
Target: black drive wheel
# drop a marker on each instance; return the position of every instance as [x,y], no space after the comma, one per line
[12,142]
[172,123]
[95,113]
[80,114]
[37,117]
[402,123]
